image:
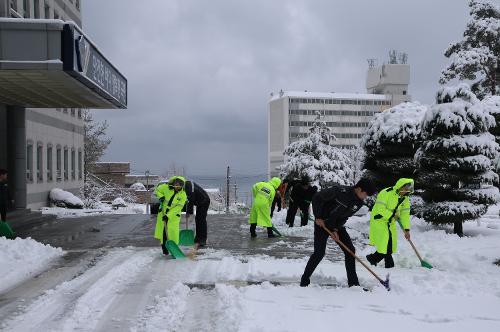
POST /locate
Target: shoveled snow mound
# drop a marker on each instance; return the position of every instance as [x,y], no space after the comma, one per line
[21,259]
[138,186]
[63,198]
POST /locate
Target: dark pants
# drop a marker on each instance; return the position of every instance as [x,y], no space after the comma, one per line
[320,240]
[201,224]
[164,241]
[292,211]
[3,213]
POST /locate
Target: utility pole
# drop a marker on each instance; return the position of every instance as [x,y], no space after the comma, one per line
[235,196]
[227,190]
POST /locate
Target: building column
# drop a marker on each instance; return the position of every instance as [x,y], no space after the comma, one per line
[16,154]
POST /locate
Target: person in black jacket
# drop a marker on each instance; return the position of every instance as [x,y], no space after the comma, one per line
[196,195]
[332,207]
[4,195]
[301,194]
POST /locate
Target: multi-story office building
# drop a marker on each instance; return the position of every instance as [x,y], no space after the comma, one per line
[57,72]
[292,113]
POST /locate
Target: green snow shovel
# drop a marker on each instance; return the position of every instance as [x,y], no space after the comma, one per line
[172,247]
[6,231]
[422,262]
[276,231]
[186,236]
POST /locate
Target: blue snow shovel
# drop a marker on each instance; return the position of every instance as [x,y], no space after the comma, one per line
[422,262]
[384,283]
[6,230]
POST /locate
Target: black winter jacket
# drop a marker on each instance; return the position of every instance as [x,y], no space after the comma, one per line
[335,205]
[298,194]
[196,195]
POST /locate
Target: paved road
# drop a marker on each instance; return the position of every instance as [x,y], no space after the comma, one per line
[109,278]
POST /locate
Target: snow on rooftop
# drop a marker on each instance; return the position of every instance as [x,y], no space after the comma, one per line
[329,95]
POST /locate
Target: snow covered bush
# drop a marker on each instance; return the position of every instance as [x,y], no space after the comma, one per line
[315,158]
[61,198]
[475,57]
[390,143]
[138,187]
[455,158]
[118,202]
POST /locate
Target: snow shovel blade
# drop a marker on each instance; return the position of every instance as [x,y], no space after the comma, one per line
[385,283]
[174,250]
[276,231]
[186,237]
[6,231]
[425,264]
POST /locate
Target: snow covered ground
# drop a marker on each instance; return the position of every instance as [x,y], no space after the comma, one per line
[131,208]
[136,289]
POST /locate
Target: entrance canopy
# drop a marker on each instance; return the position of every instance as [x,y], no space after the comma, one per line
[53,64]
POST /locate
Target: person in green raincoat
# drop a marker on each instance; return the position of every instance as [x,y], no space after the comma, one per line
[172,198]
[263,196]
[392,204]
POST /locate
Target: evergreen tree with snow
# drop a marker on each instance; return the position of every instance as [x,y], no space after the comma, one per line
[390,143]
[455,158]
[315,158]
[476,56]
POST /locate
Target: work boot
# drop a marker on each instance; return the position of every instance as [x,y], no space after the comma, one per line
[304,282]
[370,258]
[270,233]
[389,262]
[164,250]
[252,230]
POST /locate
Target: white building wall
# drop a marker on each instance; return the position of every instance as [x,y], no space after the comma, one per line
[50,127]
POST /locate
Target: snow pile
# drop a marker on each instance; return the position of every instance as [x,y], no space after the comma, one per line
[118,202]
[101,209]
[21,259]
[61,198]
[138,187]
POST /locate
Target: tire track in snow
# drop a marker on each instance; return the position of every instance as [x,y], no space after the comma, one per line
[80,302]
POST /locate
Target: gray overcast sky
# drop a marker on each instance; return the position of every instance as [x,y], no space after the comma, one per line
[200,72]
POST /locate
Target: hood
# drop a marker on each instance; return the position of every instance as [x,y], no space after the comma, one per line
[176,177]
[275,182]
[403,181]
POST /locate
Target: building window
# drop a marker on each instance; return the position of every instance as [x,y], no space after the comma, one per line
[80,165]
[49,162]
[26,8]
[65,110]
[47,10]
[39,164]
[13,5]
[79,113]
[29,162]
[72,112]
[58,164]
[66,162]
[73,164]
[36,8]
[56,17]
[404,92]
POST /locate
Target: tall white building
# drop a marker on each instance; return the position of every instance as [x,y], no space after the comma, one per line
[49,71]
[291,113]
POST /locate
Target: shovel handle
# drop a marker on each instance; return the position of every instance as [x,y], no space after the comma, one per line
[411,243]
[353,254]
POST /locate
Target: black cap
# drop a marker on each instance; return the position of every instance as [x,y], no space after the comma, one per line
[367,186]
